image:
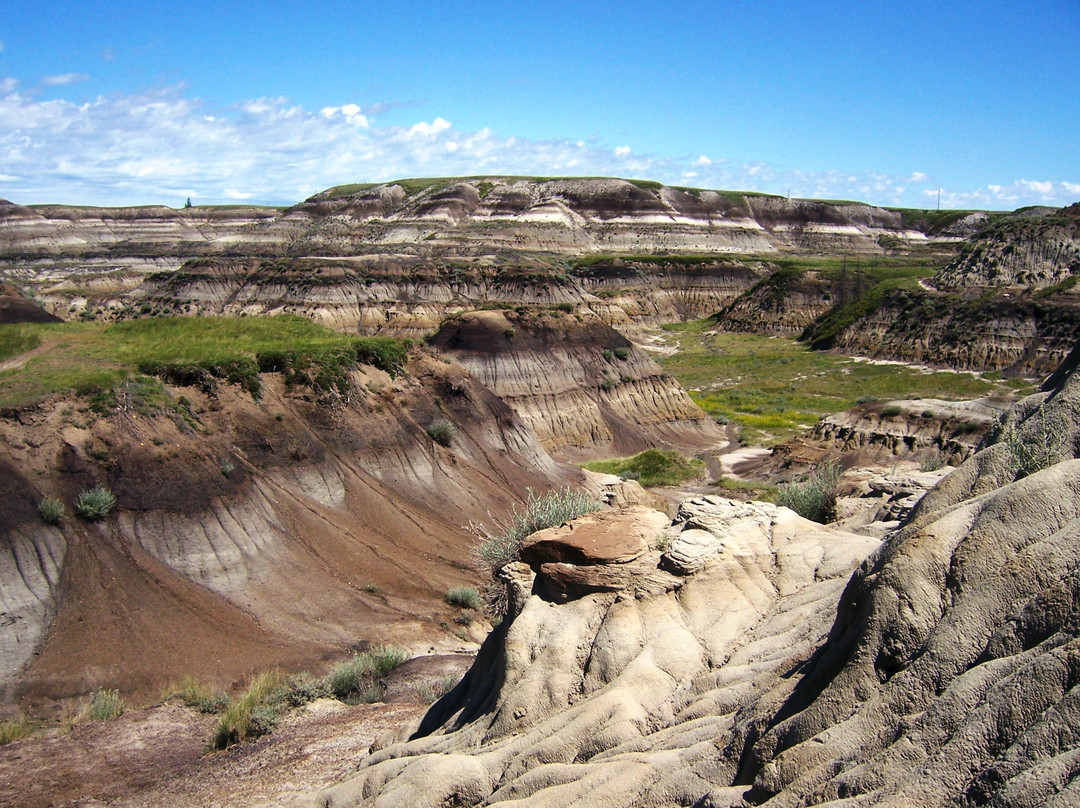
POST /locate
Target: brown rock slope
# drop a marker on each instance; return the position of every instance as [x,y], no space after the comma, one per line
[583,388]
[736,668]
[247,534]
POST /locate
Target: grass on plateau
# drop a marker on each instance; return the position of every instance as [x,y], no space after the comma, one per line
[775,388]
[44,359]
[651,467]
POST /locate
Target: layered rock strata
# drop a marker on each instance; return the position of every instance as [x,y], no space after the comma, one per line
[231,513]
[583,388]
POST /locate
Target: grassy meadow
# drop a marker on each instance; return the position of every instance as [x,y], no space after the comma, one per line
[38,360]
[775,387]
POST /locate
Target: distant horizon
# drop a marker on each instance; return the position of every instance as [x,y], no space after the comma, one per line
[118,103]
[285,206]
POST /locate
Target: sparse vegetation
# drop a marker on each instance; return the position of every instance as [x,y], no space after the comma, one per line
[14,730]
[253,714]
[196,695]
[652,467]
[815,497]
[465,597]
[51,510]
[356,680]
[622,353]
[1042,444]
[94,504]
[442,431]
[104,705]
[932,462]
[498,544]
[431,692]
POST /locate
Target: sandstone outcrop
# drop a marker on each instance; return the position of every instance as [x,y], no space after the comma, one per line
[943,671]
[584,388]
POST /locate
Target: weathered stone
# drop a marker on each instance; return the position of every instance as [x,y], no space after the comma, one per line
[606,537]
[690,551]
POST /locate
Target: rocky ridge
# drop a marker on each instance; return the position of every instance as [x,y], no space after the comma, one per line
[943,671]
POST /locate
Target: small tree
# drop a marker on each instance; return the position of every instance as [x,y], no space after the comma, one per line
[188,203]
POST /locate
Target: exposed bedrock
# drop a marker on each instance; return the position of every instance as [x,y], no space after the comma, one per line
[743,666]
[582,387]
[248,534]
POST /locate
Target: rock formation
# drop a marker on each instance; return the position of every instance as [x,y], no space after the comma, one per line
[583,387]
[1032,248]
[745,665]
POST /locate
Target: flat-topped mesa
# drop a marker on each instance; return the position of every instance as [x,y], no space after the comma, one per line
[584,388]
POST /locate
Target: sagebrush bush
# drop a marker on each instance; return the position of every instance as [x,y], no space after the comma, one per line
[441,431]
[498,544]
[104,705]
[1042,443]
[465,597]
[94,504]
[815,497]
[51,510]
[356,680]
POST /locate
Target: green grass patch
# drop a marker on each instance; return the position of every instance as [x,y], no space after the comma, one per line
[652,467]
[775,387]
[193,693]
[89,358]
[104,705]
[356,680]
[464,597]
[94,504]
[15,729]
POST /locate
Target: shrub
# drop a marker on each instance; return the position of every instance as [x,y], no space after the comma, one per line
[430,692]
[51,510]
[356,680]
[104,705]
[891,411]
[441,431]
[815,497]
[608,355]
[932,462]
[252,714]
[622,353]
[94,504]
[1042,444]
[465,597]
[497,545]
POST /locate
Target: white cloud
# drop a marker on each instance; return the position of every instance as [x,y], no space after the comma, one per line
[1,46]
[429,129]
[917,176]
[163,146]
[64,78]
[1036,187]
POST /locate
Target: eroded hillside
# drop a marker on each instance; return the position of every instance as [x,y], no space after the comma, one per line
[728,659]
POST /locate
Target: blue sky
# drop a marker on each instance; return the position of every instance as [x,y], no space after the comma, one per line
[148,102]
